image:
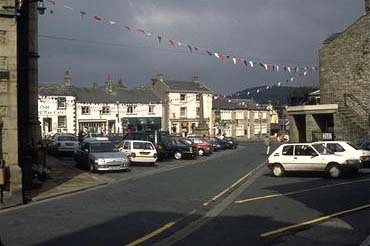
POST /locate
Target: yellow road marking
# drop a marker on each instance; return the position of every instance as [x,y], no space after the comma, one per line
[229,188]
[298,191]
[152,234]
[317,220]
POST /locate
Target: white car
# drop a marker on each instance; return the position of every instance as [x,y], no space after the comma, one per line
[139,151]
[63,143]
[309,157]
[348,150]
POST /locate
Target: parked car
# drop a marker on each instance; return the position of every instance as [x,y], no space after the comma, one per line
[220,142]
[365,145]
[63,143]
[204,148]
[216,146]
[348,150]
[94,136]
[100,155]
[181,150]
[115,138]
[309,157]
[231,143]
[139,151]
[161,140]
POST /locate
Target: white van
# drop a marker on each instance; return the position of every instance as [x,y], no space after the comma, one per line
[309,157]
[139,151]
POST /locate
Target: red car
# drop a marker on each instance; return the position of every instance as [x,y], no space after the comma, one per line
[204,148]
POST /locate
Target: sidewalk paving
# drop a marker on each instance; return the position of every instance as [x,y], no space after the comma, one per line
[65,179]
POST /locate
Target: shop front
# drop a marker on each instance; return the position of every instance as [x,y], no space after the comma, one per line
[141,123]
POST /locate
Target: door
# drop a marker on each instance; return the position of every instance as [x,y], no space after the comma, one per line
[287,157]
[307,159]
[126,148]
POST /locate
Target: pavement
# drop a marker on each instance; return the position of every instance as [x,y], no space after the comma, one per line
[64,179]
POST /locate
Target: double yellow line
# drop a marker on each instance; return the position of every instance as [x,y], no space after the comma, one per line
[152,234]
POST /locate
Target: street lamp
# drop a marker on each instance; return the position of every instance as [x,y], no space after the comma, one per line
[117,115]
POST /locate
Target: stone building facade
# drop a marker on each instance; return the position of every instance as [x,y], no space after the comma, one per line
[8,103]
[186,104]
[344,109]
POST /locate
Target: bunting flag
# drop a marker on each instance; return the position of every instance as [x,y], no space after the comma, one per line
[172,42]
[68,7]
[177,43]
[97,18]
[83,13]
[190,48]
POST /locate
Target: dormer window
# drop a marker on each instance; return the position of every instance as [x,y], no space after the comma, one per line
[85,110]
[182,97]
[105,110]
[61,101]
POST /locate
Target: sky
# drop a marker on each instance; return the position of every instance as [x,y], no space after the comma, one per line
[285,32]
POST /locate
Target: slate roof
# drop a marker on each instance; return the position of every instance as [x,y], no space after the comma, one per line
[100,95]
[331,37]
[186,86]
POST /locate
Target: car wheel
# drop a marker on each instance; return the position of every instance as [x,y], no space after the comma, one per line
[177,155]
[92,168]
[200,152]
[278,170]
[334,170]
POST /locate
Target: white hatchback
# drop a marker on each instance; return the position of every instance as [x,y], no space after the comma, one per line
[347,149]
[309,157]
[139,151]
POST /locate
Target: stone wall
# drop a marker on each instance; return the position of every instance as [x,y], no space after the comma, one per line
[8,104]
[345,68]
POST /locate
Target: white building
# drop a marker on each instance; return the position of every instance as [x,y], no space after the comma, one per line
[110,108]
[186,104]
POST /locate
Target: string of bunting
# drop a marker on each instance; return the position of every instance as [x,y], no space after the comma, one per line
[172,42]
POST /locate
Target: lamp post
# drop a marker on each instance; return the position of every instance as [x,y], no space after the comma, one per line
[117,115]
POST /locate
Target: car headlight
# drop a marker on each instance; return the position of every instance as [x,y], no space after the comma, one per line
[351,162]
[100,161]
[365,158]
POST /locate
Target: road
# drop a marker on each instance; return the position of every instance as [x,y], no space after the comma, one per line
[200,202]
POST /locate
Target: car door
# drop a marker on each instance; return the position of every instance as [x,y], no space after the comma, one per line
[287,157]
[307,159]
[85,153]
[126,148]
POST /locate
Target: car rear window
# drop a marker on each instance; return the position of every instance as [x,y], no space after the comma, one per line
[67,138]
[141,145]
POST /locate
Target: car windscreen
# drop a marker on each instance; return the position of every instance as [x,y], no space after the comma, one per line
[352,145]
[67,138]
[103,147]
[322,149]
[142,145]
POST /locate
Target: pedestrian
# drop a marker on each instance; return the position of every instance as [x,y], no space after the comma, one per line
[267,144]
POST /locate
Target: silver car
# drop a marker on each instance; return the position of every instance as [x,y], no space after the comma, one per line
[100,155]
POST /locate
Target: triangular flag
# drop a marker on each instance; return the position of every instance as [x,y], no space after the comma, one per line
[196,48]
[141,30]
[240,61]
[246,63]
[172,42]
[52,2]
[222,57]
[112,22]
[128,28]
[279,83]
[234,60]
[251,63]
[216,55]
[190,48]
[68,7]
[209,52]
[83,13]
[179,43]
[98,18]
[159,39]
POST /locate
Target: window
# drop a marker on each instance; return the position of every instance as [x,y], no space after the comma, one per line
[85,110]
[335,147]
[105,110]
[61,101]
[288,150]
[182,97]
[197,97]
[126,145]
[2,36]
[182,112]
[62,121]
[143,145]
[304,150]
[130,109]
[151,109]
[198,111]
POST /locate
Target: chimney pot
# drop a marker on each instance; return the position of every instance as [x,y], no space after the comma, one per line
[195,79]
[109,85]
[67,79]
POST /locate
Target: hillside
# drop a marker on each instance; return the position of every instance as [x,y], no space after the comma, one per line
[277,95]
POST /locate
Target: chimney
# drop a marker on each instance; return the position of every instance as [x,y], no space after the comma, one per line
[367,6]
[67,79]
[95,85]
[195,79]
[159,77]
[109,85]
[120,83]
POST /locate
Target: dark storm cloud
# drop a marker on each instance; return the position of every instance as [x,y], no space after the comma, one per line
[277,31]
